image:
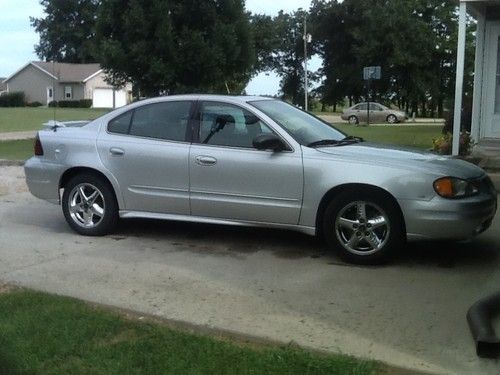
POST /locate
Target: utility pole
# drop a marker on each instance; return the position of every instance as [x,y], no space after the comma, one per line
[307,39]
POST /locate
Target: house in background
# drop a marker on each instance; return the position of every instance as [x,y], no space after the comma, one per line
[486,99]
[3,86]
[45,82]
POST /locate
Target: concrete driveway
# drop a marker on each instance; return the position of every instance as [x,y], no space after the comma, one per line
[274,284]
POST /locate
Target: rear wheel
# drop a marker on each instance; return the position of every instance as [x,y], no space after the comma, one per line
[364,227]
[89,205]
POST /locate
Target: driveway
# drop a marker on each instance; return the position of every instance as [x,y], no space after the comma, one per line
[274,284]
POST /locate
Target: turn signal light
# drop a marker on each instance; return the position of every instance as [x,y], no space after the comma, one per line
[451,187]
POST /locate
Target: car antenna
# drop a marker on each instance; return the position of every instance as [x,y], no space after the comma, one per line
[54,91]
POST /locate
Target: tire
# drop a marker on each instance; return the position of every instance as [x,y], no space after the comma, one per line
[363,236]
[353,120]
[97,213]
[392,119]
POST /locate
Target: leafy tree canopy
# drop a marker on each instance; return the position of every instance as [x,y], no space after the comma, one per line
[66,31]
[176,46]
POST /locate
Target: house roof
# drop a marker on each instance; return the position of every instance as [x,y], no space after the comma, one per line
[3,86]
[68,72]
[63,72]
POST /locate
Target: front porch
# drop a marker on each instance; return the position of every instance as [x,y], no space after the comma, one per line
[487,154]
[485,128]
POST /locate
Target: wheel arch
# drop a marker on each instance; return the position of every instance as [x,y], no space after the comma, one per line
[333,192]
[74,171]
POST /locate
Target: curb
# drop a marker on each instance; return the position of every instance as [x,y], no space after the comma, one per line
[11,163]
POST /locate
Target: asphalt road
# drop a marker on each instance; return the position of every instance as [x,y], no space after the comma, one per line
[267,283]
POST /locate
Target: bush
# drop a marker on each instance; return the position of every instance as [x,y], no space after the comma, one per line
[13,99]
[443,144]
[34,104]
[82,103]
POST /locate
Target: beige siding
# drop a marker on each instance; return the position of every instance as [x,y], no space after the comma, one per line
[33,83]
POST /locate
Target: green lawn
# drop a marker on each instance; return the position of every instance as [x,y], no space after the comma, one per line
[415,136]
[47,334]
[26,118]
[16,150]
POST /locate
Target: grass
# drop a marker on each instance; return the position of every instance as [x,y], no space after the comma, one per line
[16,150]
[27,118]
[47,334]
[419,136]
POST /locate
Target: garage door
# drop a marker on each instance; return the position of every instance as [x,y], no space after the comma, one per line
[103,98]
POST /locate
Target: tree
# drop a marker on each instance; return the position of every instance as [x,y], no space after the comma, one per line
[176,46]
[413,40]
[66,31]
[288,57]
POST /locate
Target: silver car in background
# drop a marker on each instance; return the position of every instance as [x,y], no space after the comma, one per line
[257,162]
[378,114]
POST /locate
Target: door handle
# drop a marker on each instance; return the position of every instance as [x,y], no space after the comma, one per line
[205,160]
[115,151]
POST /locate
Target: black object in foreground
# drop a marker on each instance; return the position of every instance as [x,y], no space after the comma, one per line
[480,317]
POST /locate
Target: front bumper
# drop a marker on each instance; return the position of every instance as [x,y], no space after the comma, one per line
[43,178]
[442,218]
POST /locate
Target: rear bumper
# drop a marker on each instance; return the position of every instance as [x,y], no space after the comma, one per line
[449,219]
[42,178]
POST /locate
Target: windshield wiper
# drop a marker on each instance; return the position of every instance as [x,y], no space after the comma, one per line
[334,142]
[323,142]
[353,138]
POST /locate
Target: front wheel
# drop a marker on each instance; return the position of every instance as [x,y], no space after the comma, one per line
[392,119]
[89,205]
[363,227]
[353,120]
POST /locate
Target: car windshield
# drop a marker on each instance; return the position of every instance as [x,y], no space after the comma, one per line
[303,127]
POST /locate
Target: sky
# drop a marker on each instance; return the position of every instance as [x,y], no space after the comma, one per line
[17,37]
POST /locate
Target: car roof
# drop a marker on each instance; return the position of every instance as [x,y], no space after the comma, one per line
[223,98]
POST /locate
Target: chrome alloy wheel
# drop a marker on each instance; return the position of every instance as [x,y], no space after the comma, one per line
[391,119]
[362,228]
[86,205]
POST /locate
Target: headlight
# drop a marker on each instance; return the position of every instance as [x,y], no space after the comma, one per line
[451,187]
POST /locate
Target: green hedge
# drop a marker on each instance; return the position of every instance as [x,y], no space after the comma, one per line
[13,99]
[82,103]
[34,104]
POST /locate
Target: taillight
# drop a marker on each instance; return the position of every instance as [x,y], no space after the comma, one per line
[38,146]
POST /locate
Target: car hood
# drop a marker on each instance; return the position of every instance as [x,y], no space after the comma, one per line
[404,157]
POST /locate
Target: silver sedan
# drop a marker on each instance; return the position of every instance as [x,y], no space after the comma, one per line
[257,162]
[378,113]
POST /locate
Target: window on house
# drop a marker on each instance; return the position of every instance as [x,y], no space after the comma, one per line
[68,92]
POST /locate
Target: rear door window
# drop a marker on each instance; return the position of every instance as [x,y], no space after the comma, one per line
[166,120]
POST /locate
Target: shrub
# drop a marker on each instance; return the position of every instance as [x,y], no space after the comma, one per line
[443,144]
[34,104]
[13,99]
[82,103]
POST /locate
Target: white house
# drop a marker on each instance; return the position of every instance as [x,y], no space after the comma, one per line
[486,100]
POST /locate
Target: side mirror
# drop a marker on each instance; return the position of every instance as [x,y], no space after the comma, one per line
[268,142]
